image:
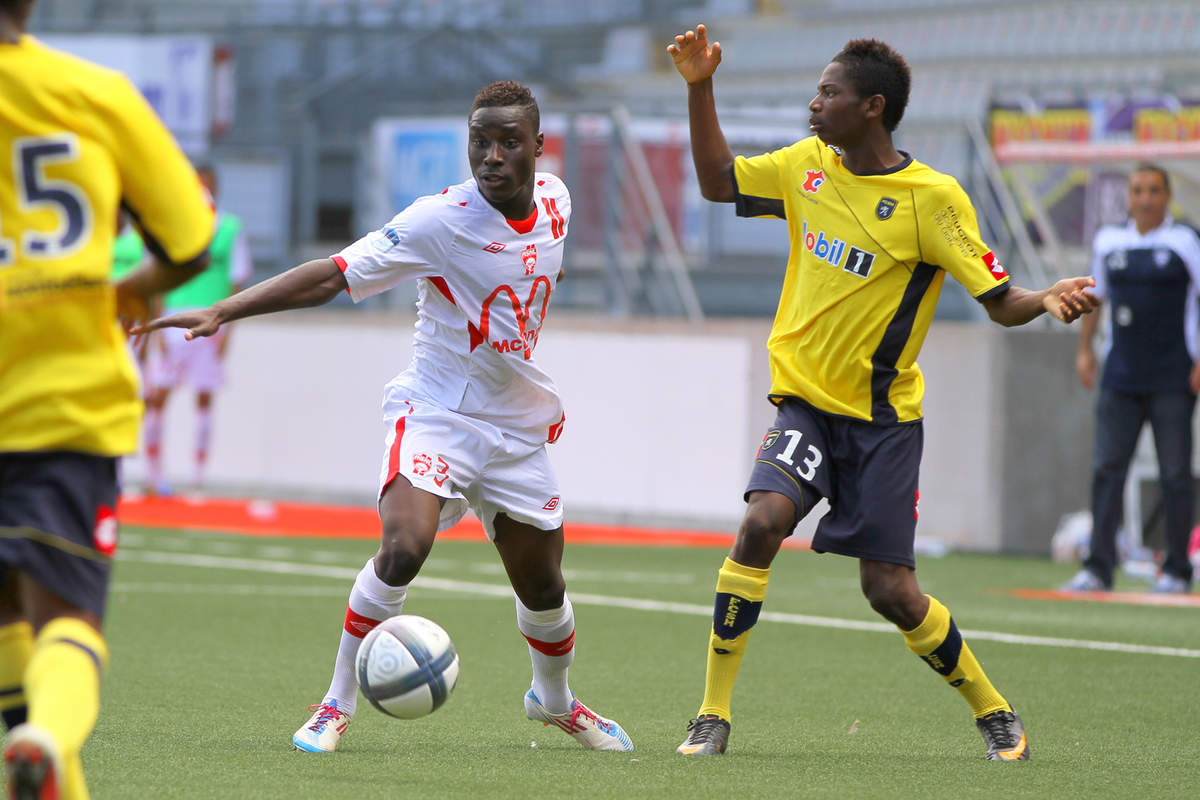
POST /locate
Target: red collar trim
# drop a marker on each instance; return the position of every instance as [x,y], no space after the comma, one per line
[524,225]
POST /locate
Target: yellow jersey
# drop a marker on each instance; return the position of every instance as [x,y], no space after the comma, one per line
[868,257]
[76,142]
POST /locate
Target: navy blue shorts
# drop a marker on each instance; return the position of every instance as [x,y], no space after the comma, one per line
[58,522]
[867,472]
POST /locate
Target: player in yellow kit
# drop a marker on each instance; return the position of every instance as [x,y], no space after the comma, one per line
[77,142]
[873,234]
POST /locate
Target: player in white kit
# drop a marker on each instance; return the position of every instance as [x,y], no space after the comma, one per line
[470,418]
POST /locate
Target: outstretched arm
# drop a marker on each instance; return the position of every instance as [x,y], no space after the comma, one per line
[696,62]
[313,283]
[1066,301]
[137,290]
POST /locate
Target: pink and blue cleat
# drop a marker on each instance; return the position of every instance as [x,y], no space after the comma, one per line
[323,730]
[584,725]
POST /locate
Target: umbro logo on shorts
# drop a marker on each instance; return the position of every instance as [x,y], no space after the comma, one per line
[494,247]
[553,504]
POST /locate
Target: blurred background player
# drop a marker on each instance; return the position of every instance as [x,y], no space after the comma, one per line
[1148,270]
[200,363]
[470,419]
[873,234]
[79,142]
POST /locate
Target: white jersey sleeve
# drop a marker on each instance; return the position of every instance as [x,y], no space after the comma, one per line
[412,245]
[1101,246]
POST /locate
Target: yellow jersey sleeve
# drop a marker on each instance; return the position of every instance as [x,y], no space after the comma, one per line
[158,185]
[950,239]
[758,185]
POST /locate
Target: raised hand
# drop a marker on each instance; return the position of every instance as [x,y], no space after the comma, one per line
[694,58]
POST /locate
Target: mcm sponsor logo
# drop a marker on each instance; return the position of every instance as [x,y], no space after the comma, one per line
[529,316]
[886,207]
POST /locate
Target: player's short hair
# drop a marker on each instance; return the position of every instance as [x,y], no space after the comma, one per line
[875,68]
[1147,166]
[509,93]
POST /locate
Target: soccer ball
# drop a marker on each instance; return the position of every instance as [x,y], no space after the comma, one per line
[407,666]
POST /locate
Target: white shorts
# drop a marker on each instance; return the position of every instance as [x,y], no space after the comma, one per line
[175,360]
[472,464]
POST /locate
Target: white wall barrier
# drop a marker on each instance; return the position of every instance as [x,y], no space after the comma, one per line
[663,420]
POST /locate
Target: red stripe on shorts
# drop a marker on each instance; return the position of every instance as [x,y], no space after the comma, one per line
[394,454]
[553,648]
[357,624]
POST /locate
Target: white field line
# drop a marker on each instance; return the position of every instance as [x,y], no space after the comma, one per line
[692,609]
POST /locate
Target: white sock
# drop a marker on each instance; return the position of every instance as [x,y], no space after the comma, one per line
[152,433]
[371,602]
[203,436]
[551,638]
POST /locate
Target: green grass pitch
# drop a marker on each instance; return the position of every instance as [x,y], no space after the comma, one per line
[220,642]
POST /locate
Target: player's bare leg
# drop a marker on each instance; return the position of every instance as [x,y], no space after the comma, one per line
[16,646]
[409,519]
[741,588]
[533,560]
[930,632]
[62,688]
[203,439]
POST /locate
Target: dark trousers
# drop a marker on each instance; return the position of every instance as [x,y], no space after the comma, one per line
[1119,420]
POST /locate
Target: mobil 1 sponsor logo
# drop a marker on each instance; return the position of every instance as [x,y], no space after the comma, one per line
[836,252]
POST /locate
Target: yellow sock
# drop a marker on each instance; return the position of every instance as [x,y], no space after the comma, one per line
[937,641]
[740,594]
[16,645]
[62,686]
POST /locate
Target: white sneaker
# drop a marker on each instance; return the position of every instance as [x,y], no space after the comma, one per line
[1085,581]
[31,760]
[323,730]
[1170,584]
[588,728]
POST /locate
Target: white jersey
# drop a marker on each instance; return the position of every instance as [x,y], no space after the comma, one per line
[484,286]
